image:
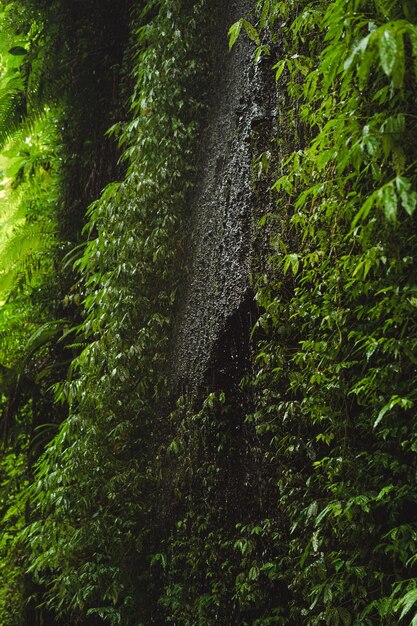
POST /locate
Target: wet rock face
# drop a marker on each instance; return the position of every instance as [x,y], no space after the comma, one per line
[220,214]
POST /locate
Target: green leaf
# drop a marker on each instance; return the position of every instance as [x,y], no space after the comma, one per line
[390,202]
[359,49]
[384,491]
[388,51]
[264,13]
[408,197]
[18,51]
[234,32]
[364,210]
[404,403]
[370,141]
[251,32]
[262,51]
[407,602]
[402,184]
[279,67]
[291,261]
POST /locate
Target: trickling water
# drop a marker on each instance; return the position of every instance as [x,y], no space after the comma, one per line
[221,209]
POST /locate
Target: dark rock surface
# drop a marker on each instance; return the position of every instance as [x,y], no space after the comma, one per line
[217,285]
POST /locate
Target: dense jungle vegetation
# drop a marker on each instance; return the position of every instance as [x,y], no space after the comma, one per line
[286,493]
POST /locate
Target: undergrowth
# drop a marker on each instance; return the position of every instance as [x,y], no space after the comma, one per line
[335,373]
[288,497]
[93,485]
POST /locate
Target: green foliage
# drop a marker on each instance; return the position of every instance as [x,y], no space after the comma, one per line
[88,543]
[28,164]
[336,371]
[289,498]
[13,480]
[214,564]
[28,199]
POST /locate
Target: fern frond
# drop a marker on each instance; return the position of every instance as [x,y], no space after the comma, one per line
[23,256]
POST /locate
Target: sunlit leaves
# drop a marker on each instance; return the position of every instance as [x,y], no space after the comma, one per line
[234,32]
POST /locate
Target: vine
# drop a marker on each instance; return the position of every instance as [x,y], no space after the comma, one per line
[337,366]
[92,489]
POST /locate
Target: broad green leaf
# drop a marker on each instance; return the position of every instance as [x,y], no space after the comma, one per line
[18,51]
[402,184]
[390,202]
[357,50]
[409,201]
[371,144]
[251,32]
[234,32]
[388,51]
[264,13]
[291,261]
